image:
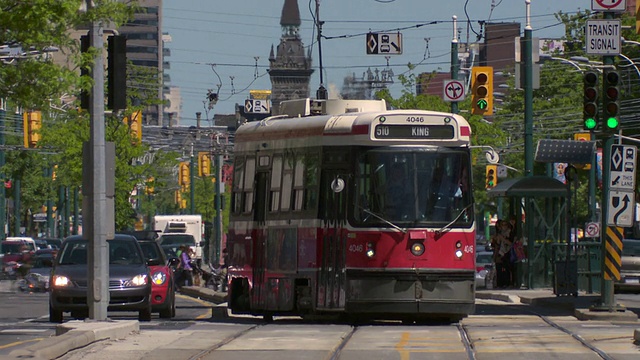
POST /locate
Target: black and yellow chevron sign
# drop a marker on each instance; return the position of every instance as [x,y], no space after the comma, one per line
[612,260]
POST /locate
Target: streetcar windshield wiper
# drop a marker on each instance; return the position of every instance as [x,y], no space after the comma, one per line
[383,219]
[448,226]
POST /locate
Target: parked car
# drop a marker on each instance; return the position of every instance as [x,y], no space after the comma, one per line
[17,254]
[163,284]
[630,270]
[484,267]
[129,279]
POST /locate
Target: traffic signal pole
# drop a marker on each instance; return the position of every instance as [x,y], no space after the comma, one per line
[607,300]
[527,56]
[455,66]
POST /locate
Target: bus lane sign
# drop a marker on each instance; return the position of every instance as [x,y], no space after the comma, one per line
[603,36]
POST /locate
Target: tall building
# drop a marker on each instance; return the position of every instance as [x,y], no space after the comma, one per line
[145,48]
[289,67]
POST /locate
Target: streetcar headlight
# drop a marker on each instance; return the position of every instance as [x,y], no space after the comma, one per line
[459,254]
[371,252]
[417,248]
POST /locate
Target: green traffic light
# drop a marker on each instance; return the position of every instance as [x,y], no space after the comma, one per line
[590,123]
[482,104]
[612,123]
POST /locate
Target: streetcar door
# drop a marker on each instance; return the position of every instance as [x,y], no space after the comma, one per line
[332,273]
[260,253]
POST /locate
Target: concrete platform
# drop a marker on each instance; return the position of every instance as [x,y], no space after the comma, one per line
[76,334]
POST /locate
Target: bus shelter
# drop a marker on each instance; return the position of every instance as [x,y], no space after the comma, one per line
[540,206]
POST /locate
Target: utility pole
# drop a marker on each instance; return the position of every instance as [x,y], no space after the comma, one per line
[218,199]
[527,55]
[192,185]
[96,226]
[322,91]
[3,193]
[455,66]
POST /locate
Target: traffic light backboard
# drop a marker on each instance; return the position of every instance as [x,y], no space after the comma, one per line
[482,90]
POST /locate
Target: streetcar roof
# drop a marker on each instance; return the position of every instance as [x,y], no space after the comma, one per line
[317,130]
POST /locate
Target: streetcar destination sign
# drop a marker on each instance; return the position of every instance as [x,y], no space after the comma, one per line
[603,36]
[414,132]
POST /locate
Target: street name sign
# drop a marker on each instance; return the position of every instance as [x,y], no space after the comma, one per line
[622,175]
[603,36]
[609,5]
[384,43]
[453,90]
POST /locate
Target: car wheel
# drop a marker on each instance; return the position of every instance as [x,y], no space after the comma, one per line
[169,310]
[145,315]
[55,316]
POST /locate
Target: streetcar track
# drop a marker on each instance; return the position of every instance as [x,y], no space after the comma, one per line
[220,344]
[468,346]
[579,338]
[574,335]
[337,350]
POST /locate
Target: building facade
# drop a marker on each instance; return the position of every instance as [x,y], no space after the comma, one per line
[289,66]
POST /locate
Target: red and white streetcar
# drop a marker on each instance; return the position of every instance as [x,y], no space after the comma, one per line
[344,207]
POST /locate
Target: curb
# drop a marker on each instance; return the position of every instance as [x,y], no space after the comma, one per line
[204,294]
[77,334]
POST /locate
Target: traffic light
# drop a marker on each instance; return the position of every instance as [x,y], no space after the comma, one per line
[204,164]
[149,186]
[590,107]
[492,176]
[184,174]
[32,121]
[482,90]
[611,100]
[117,72]
[135,125]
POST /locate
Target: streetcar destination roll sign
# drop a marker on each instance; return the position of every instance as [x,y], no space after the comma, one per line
[414,132]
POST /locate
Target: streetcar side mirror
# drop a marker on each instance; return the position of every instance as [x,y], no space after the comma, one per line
[337,185]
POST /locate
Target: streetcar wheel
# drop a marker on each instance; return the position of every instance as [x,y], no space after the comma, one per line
[267,317]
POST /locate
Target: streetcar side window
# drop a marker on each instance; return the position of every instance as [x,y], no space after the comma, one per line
[311,181]
[238,180]
[298,185]
[250,172]
[287,182]
[276,179]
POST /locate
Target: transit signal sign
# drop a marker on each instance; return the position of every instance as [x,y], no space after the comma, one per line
[384,43]
[603,36]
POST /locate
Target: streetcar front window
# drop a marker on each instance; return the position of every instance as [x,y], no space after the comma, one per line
[410,186]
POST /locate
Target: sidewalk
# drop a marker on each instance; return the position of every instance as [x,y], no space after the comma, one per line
[76,334]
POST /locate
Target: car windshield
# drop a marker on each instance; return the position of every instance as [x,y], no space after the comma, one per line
[631,248]
[150,251]
[413,186]
[121,252]
[484,258]
[11,248]
[177,239]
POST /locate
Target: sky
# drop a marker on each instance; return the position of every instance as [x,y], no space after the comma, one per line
[224,45]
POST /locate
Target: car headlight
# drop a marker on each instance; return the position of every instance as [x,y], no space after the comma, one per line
[138,280]
[158,278]
[61,281]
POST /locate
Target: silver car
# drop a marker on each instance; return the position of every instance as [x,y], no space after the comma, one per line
[484,265]
[630,270]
